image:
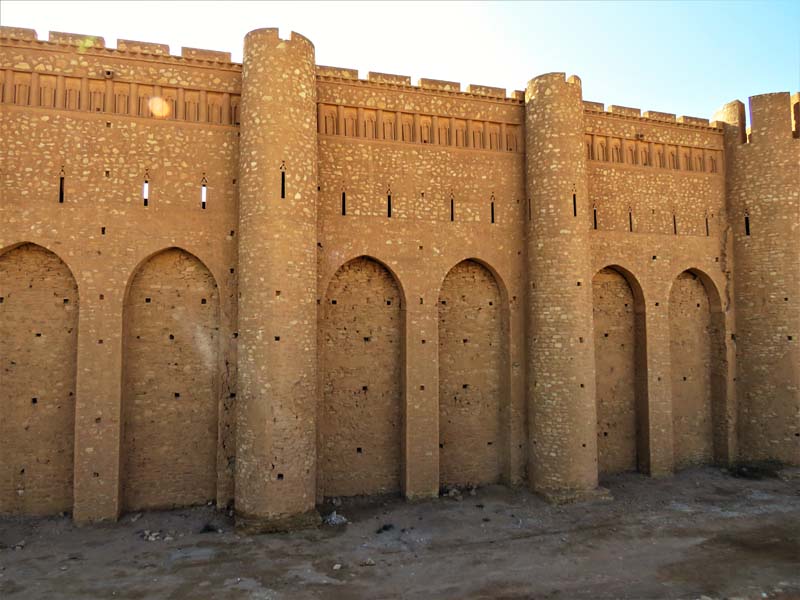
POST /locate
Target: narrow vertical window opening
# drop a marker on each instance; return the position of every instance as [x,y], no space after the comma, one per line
[630,221]
[452,208]
[283,180]
[530,210]
[61,186]
[594,217]
[574,205]
[492,212]
[389,205]
[146,189]
[203,192]
[746,224]
[344,203]
[708,232]
[674,224]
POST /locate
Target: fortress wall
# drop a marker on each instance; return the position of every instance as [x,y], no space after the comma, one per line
[662,200]
[420,244]
[103,231]
[655,219]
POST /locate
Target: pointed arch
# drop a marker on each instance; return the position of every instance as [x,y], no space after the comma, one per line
[170,383]
[473,376]
[620,348]
[361,341]
[38,361]
[698,365]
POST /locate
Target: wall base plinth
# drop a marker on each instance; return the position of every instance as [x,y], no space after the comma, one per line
[422,496]
[598,494]
[249,524]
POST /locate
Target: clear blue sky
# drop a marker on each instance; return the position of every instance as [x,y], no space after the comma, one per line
[682,57]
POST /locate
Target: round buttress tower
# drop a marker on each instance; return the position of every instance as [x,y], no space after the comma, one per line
[277,371]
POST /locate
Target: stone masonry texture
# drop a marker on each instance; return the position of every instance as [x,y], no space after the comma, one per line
[270,283]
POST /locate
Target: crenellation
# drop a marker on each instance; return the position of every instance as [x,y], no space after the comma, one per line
[485,90]
[659,116]
[625,111]
[684,120]
[143,47]
[344,286]
[18,33]
[81,40]
[337,72]
[388,78]
[211,55]
[439,85]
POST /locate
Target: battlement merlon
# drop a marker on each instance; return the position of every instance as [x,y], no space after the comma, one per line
[625,111]
[212,55]
[76,39]
[439,85]
[143,47]
[376,77]
[18,33]
[337,72]
[488,91]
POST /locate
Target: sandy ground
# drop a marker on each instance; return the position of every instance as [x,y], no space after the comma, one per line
[702,533]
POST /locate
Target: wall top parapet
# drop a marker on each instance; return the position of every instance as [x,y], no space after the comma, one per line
[627,112]
[92,44]
[423,84]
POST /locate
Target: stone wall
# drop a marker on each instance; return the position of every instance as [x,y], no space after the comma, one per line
[528,224]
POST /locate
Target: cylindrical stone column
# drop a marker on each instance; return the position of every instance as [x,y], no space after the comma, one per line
[276,415]
[561,380]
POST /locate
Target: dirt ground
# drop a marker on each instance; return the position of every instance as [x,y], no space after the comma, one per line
[701,534]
